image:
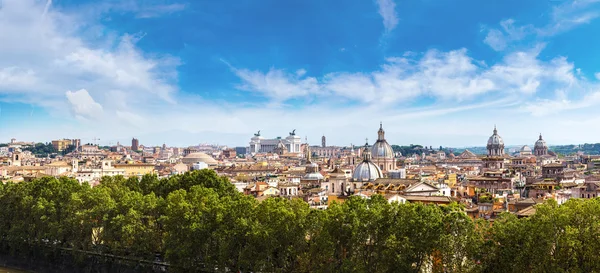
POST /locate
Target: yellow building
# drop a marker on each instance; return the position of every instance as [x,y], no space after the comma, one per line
[136,169]
[60,145]
[451,181]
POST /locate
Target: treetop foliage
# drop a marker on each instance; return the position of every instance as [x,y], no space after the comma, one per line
[198,222]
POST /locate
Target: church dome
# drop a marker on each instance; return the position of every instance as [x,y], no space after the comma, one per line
[495,139]
[540,143]
[313,176]
[199,157]
[525,149]
[366,170]
[381,148]
[495,144]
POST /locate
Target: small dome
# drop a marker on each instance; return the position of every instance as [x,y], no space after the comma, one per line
[313,176]
[525,149]
[366,171]
[199,157]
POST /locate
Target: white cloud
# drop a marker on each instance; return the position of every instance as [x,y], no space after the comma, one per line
[159,10]
[597,75]
[498,39]
[563,17]
[277,84]
[546,107]
[83,105]
[43,54]
[452,75]
[387,10]
[142,9]
[124,92]
[495,39]
[15,78]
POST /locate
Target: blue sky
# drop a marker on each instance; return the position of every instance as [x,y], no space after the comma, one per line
[188,72]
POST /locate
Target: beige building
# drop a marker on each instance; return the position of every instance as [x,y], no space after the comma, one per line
[136,169]
[62,144]
[58,168]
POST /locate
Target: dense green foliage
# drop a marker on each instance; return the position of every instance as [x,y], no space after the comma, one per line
[409,150]
[198,222]
[587,148]
[41,149]
[418,150]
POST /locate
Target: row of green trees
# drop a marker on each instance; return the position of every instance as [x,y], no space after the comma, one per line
[198,222]
[46,149]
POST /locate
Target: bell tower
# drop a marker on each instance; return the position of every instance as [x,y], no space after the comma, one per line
[16,158]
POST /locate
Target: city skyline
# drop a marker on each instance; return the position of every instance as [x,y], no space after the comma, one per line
[189,72]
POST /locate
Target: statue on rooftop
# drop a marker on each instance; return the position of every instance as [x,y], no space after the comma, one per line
[293,132]
[257,134]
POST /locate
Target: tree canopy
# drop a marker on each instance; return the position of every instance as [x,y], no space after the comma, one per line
[198,222]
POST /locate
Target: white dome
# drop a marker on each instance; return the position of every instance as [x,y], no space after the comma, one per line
[366,171]
[199,157]
[525,149]
[313,176]
[495,139]
[381,149]
[540,143]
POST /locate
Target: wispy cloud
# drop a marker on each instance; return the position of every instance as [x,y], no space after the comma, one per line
[277,84]
[563,17]
[545,107]
[445,76]
[158,10]
[387,10]
[498,39]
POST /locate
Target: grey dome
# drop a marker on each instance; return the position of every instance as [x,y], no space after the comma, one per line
[381,148]
[495,139]
[313,176]
[199,157]
[366,171]
[540,143]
